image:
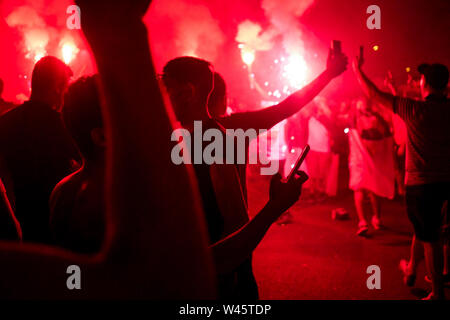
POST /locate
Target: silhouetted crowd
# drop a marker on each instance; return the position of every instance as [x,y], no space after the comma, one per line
[87,176]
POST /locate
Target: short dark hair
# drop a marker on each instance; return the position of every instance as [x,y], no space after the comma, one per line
[190,70]
[218,94]
[436,75]
[81,113]
[48,71]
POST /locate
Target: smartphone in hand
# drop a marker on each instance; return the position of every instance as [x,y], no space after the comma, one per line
[298,163]
[336,46]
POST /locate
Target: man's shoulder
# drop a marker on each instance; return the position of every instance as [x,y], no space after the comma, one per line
[12,114]
[67,188]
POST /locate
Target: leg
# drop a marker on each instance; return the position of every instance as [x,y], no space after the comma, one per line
[409,268]
[446,249]
[434,260]
[359,204]
[375,205]
[417,255]
[446,239]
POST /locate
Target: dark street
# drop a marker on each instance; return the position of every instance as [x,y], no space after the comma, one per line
[316,257]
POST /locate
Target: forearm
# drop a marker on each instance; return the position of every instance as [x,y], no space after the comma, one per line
[232,251]
[268,117]
[393,89]
[296,101]
[371,90]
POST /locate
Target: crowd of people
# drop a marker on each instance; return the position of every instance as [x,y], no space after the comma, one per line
[87,177]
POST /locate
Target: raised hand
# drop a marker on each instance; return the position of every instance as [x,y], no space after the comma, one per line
[120,7]
[284,194]
[359,60]
[336,63]
[389,79]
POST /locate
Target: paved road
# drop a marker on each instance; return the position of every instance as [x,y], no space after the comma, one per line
[316,257]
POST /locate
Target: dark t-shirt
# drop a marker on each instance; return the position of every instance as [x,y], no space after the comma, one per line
[239,283]
[428,143]
[36,153]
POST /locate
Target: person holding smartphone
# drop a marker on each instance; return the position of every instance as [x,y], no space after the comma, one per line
[233,235]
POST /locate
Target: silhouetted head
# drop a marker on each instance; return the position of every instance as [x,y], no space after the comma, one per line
[82,117]
[434,79]
[49,81]
[189,82]
[217,103]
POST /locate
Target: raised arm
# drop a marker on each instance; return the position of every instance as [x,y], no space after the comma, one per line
[268,117]
[143,181]
[370,89]
[156,247]
[232,251]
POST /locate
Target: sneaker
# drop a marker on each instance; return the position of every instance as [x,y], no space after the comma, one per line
[376,223]
[362,229]
[408,278]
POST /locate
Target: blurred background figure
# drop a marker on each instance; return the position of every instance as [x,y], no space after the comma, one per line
[320,157]
[371,162]
[36,150]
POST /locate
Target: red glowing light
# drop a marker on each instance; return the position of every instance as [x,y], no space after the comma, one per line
[295,72]
[247,55]
[39,55]
[68,51]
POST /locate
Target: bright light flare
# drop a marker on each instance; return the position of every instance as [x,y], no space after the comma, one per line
[39,55]
[36,41]
[295,71]
[69,51]
[247,55]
